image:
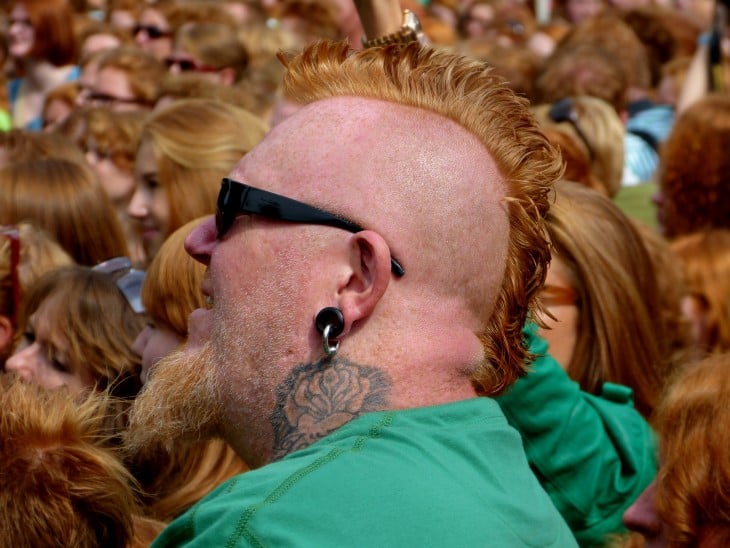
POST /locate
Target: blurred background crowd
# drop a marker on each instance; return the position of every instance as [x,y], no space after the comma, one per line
[118,119]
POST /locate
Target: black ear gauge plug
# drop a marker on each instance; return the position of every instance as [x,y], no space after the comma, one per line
[330,323]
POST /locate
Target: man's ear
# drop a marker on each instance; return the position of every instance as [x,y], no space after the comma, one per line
[369,278]
[6,334]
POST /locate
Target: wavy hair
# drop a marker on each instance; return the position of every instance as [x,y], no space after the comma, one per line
[64,198]
[114,134]
[142,69]
[705,258]
[604,136]
[196,142]
[470,94]
[694,172]
[58,485]
[693,483]
[89,312]
[617,339]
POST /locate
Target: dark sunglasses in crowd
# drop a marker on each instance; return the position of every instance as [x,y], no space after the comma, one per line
[188,65]
[27,23]
[99,99]
[564,111]
[12,234]
[236,198]
[152,32]
[128,279]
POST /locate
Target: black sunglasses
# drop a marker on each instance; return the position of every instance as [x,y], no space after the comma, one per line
[235,198]
[188,65]
[152,31]
[564,111]
[104,99]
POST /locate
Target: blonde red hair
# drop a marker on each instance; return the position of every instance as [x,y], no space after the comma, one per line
[618,339]
[54,30]
[693,483]
[58,485]
[693,172]
[64,198]
[705,259]
[196,142]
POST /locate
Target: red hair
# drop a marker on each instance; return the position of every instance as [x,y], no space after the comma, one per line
[55,38]
[58,486]
[693,484]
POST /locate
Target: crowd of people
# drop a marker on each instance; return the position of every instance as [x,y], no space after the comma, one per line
[518,335]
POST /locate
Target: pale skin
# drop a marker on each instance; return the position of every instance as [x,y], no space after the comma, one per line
[152,344]
[148,206]
[42,358]
[560,333]
[407,342]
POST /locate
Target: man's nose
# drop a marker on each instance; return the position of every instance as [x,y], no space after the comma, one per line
[202,240]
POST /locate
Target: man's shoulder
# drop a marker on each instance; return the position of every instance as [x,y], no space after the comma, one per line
[391,476]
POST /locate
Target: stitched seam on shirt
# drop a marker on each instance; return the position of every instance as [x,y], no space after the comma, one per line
[242,528]
[189,523]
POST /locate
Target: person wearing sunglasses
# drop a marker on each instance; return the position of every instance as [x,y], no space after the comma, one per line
[152,31]
[369,269]
[596,130]
[122,79]
[211,49]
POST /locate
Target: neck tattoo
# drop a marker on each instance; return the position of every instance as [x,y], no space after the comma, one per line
[318,398]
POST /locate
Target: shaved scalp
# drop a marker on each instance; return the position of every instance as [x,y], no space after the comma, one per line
[472,196]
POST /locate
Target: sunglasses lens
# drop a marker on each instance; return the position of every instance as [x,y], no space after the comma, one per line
[221,217]
[152,32]
[220,227]
[185,65]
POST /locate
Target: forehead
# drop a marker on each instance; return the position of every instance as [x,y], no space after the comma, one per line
[100,41]
[145,160]
[113,79]
[151,16]
[19,11]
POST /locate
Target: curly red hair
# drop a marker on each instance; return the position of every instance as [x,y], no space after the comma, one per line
[693,485]
[694,181]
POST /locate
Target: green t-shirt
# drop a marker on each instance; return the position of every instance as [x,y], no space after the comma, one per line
[448,475]
[594,455]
